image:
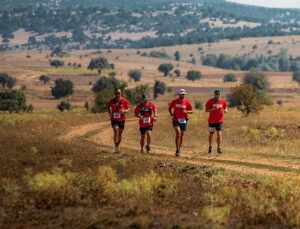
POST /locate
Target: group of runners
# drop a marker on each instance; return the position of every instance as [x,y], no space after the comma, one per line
[179,110]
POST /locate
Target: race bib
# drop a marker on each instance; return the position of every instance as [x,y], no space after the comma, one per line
[218,105]
[180,106]
[116,115]
[182,120]
[146,120]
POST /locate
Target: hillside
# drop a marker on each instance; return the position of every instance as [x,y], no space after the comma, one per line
[145,25]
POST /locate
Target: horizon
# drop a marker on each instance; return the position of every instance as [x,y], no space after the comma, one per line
[284,4]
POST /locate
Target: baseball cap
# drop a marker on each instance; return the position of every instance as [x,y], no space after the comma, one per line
[182,92]
[145,97]
[218,91]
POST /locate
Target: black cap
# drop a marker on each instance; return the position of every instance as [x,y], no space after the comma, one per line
[145,97]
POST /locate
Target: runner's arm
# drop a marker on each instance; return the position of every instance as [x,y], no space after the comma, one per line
[211,109]
[225,110]
[170,111]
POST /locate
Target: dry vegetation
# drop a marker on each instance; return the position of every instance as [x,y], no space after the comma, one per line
[46,181]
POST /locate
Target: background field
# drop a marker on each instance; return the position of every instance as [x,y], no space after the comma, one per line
[58,168]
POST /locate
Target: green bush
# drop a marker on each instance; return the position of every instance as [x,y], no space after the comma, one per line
[13,101]
[99,64]
[198,105]
[296,77]
[57,63]
[159,88]
[101,100]
[135,75]
[108,83]
[193,75]
[44,79]
[177,72]
[62,88]
[134,95]
[258,79]
[64,106]
[165,68]
[230,77]
[279,102]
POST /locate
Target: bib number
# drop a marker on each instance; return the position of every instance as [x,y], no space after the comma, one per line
[182,120]
[146,120]
[116,115]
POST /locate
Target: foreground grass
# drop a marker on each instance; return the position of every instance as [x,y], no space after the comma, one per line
[54,184]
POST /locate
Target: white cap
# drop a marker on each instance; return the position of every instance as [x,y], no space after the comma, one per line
[182,92]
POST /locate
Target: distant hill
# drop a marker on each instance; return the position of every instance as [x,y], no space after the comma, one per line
[98,24]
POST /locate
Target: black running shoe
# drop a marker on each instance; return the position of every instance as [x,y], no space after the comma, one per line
[219,151]
[210,150]
[177,154]
[148,149]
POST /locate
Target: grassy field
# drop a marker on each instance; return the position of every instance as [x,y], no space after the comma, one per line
[58,169]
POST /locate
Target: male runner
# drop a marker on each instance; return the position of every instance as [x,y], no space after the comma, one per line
[117,107]
[215,107]
[182,107]
[146,112]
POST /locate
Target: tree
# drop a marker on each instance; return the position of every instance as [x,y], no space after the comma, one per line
[101,99]
[64,106]
[230,77]
[57,63]
[245,98]
[44,78]
[135,75]
[177,55]
[165,68]
[193,75]
[3,79]
[13,101]
[296,77]
[11,81]
[99,64]
[177,72]
[62,88]
[258,79]
[108,83]
[159,88]
[134,95]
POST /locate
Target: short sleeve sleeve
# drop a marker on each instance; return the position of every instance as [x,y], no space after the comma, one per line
[126,104]
[137,109]
[189,106]
[208,105]
[172,104]
[153,107]
[109,103]
[225,104]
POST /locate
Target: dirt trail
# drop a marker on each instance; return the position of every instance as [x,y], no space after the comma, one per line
[105,135]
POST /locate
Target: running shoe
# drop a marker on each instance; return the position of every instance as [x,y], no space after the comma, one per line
[219,151]
[117,150]
[210,150]
[148,149]
[177,154]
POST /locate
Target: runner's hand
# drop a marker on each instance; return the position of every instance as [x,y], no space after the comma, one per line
[171,114]
[122,111]
[184,111]
[154,119]
[141,117]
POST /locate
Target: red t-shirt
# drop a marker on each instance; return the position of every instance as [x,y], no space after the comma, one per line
[217,115]
[179,105]
[148,119]
[116,106]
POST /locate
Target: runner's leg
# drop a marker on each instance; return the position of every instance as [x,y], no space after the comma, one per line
[149,134]
[142,141]
[181,138]
[120,135]
[219,139]
[178,135]
[116,134]
[210,139]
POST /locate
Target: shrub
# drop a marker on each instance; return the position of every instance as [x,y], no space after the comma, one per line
[23,87]
[193,75]
[12,101]
[86,105]
[258,79]
[296,77]
[57,63]
[99,64]
[230,77]
[64,106]
[165,68]
[198,105]
[245,98]
[159,88]
[101,99]
[112,74]
[134,95]
[7,80]
[62,88]
[279,102]
[177,72]
[108,83]
[177,55]
[135,75]
[170,89]
[44,79]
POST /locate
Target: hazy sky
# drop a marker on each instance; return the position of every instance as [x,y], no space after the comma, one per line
[271,3]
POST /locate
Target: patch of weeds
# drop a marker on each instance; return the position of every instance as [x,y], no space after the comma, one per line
[34,150]
[122,162]
[67,163]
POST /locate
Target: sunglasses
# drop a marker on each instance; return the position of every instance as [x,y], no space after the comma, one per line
[117,93]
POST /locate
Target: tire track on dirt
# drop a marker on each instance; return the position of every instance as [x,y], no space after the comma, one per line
[105,137]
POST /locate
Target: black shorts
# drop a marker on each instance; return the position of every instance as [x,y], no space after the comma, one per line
[215,126]
[120,124]
[145,129]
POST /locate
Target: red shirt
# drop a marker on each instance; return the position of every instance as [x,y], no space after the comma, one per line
[148,119]
[116,105]
[179,105]
[217,115]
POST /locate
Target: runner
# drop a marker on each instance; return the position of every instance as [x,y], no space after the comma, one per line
[117,107]
[182,107]
[216,106]
[146,112]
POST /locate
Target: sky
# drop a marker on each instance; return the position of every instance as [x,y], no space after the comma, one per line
[271,3]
